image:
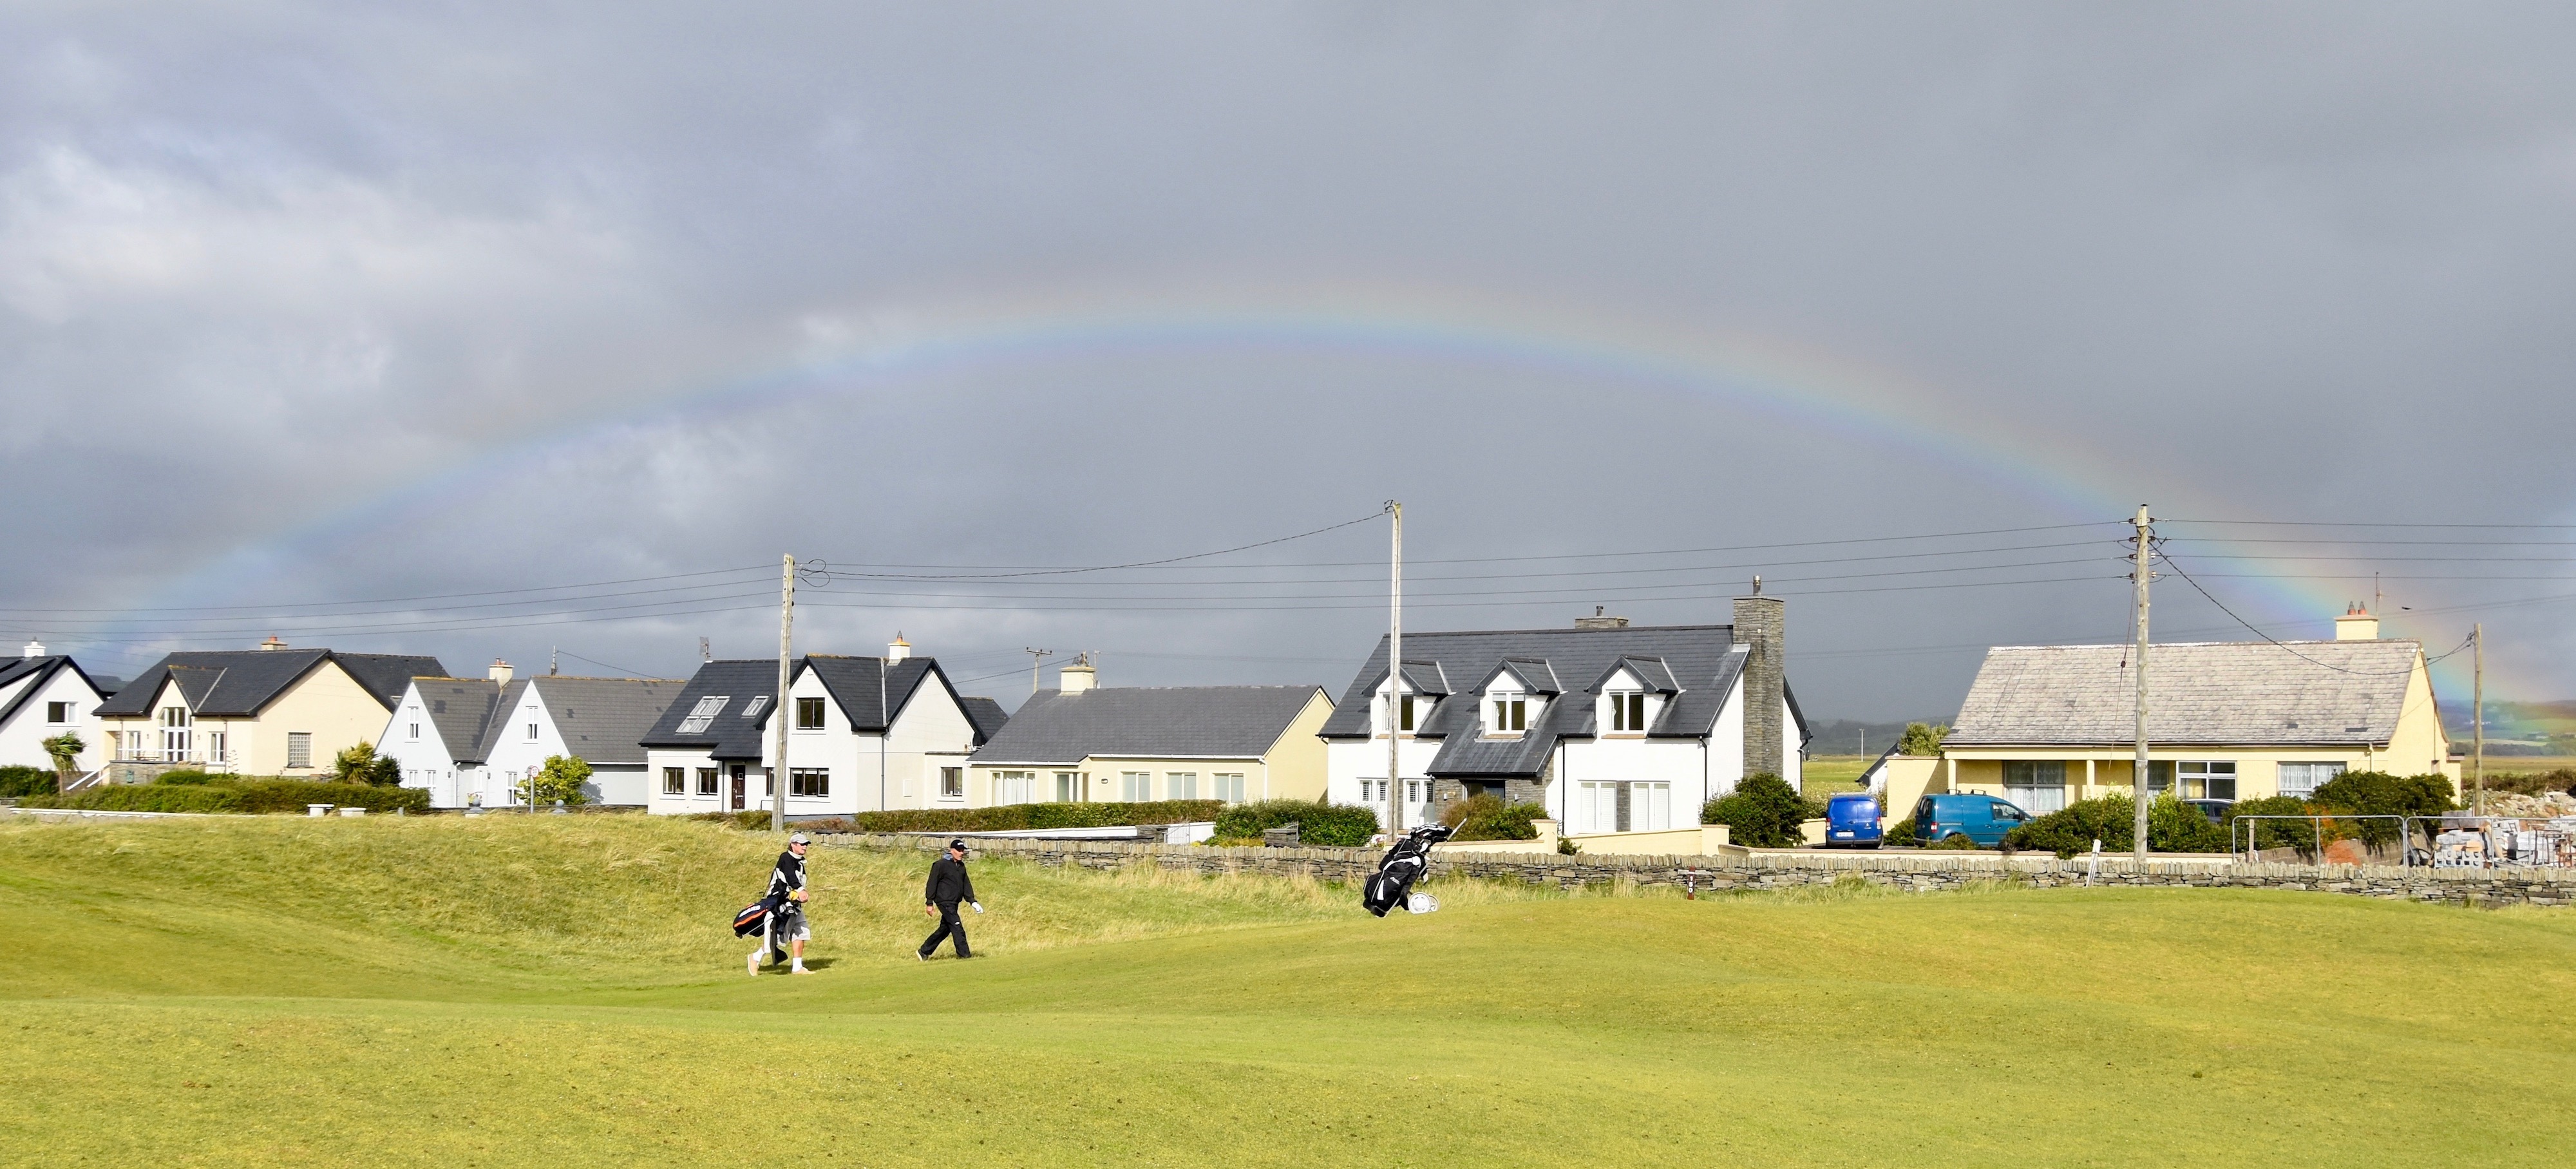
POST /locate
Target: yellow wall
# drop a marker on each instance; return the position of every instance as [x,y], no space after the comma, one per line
[327,703]
[1297,760]
[1294,768]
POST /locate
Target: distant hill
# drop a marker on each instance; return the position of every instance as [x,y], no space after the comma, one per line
[2526,728]
[1842,736]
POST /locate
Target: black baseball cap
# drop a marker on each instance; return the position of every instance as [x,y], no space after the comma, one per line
[959,845]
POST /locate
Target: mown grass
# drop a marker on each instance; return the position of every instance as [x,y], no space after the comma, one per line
[563,992]
[1827,775]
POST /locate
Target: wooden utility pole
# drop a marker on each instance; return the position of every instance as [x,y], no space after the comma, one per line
[1036,656]
[1395,673]
[2138,779]
[778,706]
[2478,713]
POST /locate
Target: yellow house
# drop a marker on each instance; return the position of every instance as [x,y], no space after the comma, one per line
[1138,743]
[268,711]
[2045,725]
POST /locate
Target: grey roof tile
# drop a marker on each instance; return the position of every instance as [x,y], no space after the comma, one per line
[2248,693]
[604,720]
[1226,722]
[239,683]
[987,715]
[459,709]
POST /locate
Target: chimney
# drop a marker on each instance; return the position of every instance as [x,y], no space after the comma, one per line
[35,649]
[1760,623]
[273,642]
[1078,677]
[500,672]
[898,649]
[2356,624]
[1598,621]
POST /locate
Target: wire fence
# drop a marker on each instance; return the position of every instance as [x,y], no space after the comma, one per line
[2452,840]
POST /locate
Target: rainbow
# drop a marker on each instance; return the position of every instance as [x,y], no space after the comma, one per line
[1796,386]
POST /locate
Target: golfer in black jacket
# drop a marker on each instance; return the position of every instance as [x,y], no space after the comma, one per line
[787,926]
[948,885]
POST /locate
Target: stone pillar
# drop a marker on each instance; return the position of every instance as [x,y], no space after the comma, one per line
[1760,622]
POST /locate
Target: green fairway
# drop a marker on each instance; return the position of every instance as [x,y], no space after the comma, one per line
[562,991]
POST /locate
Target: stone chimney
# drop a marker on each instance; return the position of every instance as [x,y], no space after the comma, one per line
[35,649]
[500,672]
[1078,677]
[1760,622]
[273,642]
[898,649]
[2356,624]
[1599,621]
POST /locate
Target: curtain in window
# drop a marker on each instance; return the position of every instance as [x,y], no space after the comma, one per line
[2035,786]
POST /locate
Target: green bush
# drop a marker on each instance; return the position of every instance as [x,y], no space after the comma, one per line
[1922,739]
[118,797]
[275,795]
[2532,783]
[2172,826]
[1955,840]
[2378,793]
[2298,834]
[361,764]
[21,780]
[1324,825]
[1901,832]
[187,777]
[1762,812]
[1489,818]
[559,778]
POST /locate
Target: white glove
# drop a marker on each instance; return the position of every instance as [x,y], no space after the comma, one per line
[979,906]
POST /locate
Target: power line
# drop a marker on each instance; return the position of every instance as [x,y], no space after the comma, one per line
[1166,560]
[430,597]
[2276,642]
[603,665]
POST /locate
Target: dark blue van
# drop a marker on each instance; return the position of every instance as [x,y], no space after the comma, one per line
[1983,819]
[1851,821]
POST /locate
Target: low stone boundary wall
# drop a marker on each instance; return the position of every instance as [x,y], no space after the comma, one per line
[1761,870]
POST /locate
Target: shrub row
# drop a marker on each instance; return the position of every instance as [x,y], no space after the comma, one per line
[225,794]
[1321,824]
[2173,826]
[1762,812]
[21,780]
[2532,783]
[1489,818]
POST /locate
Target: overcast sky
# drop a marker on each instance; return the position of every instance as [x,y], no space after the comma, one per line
[307,312]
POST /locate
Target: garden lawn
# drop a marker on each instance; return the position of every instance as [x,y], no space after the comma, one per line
[562,991]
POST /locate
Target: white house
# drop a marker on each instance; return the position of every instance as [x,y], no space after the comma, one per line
[42,696]
[1615,728]
[473,740]
[867,734]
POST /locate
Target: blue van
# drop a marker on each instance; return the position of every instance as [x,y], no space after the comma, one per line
[1851,821]
[1983,819]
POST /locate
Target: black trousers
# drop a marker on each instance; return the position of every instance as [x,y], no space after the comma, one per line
[948,924]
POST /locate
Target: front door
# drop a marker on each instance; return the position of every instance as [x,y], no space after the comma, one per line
[1417,802]
[738,771]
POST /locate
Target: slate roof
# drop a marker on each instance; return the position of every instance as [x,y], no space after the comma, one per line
[36,672]
[602,720]
[239,683]
[869,691]
[729,735]
[459,709]
[2238,693]
[1701,661]
[987,715]
[1171,722]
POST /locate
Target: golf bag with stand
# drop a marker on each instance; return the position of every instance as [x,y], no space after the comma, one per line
[1403,865]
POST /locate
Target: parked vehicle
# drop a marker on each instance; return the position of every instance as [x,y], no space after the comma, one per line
[1851,821]
[2216,810]
[1983,819]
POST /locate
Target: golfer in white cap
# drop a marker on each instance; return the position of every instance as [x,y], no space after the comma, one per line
[787,926]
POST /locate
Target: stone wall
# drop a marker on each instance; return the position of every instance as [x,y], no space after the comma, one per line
[1774,870]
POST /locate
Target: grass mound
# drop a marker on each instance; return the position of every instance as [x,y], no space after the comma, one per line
[563,991]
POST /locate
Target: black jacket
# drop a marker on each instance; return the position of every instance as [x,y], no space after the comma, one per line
[948,883]
[788,877]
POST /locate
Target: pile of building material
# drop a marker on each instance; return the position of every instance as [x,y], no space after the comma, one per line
[2469,842]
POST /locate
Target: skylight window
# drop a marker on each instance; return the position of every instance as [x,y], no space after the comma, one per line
[703,715]
[758,703]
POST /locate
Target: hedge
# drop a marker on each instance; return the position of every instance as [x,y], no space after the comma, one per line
[2172,826]
[1489,818]
[21,780]
[1318,823]
[1762,812]
[1005,818]
[236,795]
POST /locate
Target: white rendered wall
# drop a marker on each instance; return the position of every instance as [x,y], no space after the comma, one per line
[426,762]
[22,739]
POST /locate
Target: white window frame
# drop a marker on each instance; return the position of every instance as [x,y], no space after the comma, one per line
[1510,712]
[1136,787]
[2202,771]
[2309,771]
[758,703]
[1229,786]
[1068,786]
[58,714]
[1015,787]
[952,783]
[1180,785]
[703,715]
[2027,783]
[299,746]
[1628,711]
[675,781]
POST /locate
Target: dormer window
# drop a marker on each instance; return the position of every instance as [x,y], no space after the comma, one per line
[1408,717]
[1511,713]
[1628,710]
[703,715]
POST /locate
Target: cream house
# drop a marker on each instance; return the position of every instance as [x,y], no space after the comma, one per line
[268,711]
[2045,725]
[1084,743]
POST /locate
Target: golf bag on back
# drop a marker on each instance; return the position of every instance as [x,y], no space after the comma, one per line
[1403,865]
[755,916]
